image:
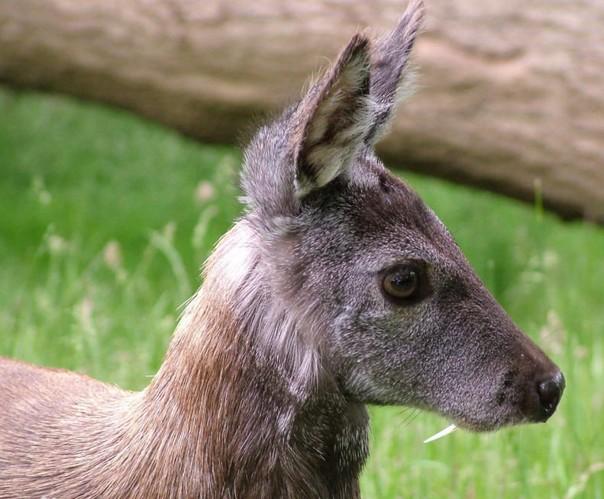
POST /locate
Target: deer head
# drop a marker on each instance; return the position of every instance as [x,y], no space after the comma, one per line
[384,302]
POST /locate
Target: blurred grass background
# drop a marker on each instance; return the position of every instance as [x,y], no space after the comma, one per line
[105,220]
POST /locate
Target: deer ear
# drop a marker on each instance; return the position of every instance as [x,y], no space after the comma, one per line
[333,120]
[390,76]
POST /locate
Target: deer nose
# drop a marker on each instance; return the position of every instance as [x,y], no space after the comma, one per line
[550,391]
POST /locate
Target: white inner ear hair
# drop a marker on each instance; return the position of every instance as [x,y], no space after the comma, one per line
[332,159]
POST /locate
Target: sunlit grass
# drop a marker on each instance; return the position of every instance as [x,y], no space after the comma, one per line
[105,220]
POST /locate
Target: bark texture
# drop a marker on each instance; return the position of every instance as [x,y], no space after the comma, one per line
[511,94]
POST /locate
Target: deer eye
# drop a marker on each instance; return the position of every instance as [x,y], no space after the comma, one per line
[402,282]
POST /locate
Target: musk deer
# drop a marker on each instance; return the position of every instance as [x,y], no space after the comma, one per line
[338,287]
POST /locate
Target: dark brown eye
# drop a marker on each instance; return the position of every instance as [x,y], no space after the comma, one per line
[402,282]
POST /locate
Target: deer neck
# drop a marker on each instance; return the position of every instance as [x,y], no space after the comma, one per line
[242,393]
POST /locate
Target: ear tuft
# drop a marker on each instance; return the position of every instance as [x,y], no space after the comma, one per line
[390,75]
[334,119]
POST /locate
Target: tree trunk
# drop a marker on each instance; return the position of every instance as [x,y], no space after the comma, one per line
[510,94]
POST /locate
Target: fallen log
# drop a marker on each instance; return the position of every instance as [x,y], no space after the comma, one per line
[511,94]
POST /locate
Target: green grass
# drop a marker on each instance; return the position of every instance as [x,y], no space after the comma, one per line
[105,220]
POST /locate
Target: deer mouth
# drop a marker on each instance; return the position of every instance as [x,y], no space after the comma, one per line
[464,425]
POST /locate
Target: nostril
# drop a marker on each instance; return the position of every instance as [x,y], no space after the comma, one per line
[550,392]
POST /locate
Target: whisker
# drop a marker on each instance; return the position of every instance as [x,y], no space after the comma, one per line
[408,414]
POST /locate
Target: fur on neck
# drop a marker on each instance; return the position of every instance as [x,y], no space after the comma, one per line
[244,374]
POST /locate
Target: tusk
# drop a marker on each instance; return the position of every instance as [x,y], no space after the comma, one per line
[441,434]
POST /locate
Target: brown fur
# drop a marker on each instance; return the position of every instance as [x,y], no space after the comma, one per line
[207,426]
